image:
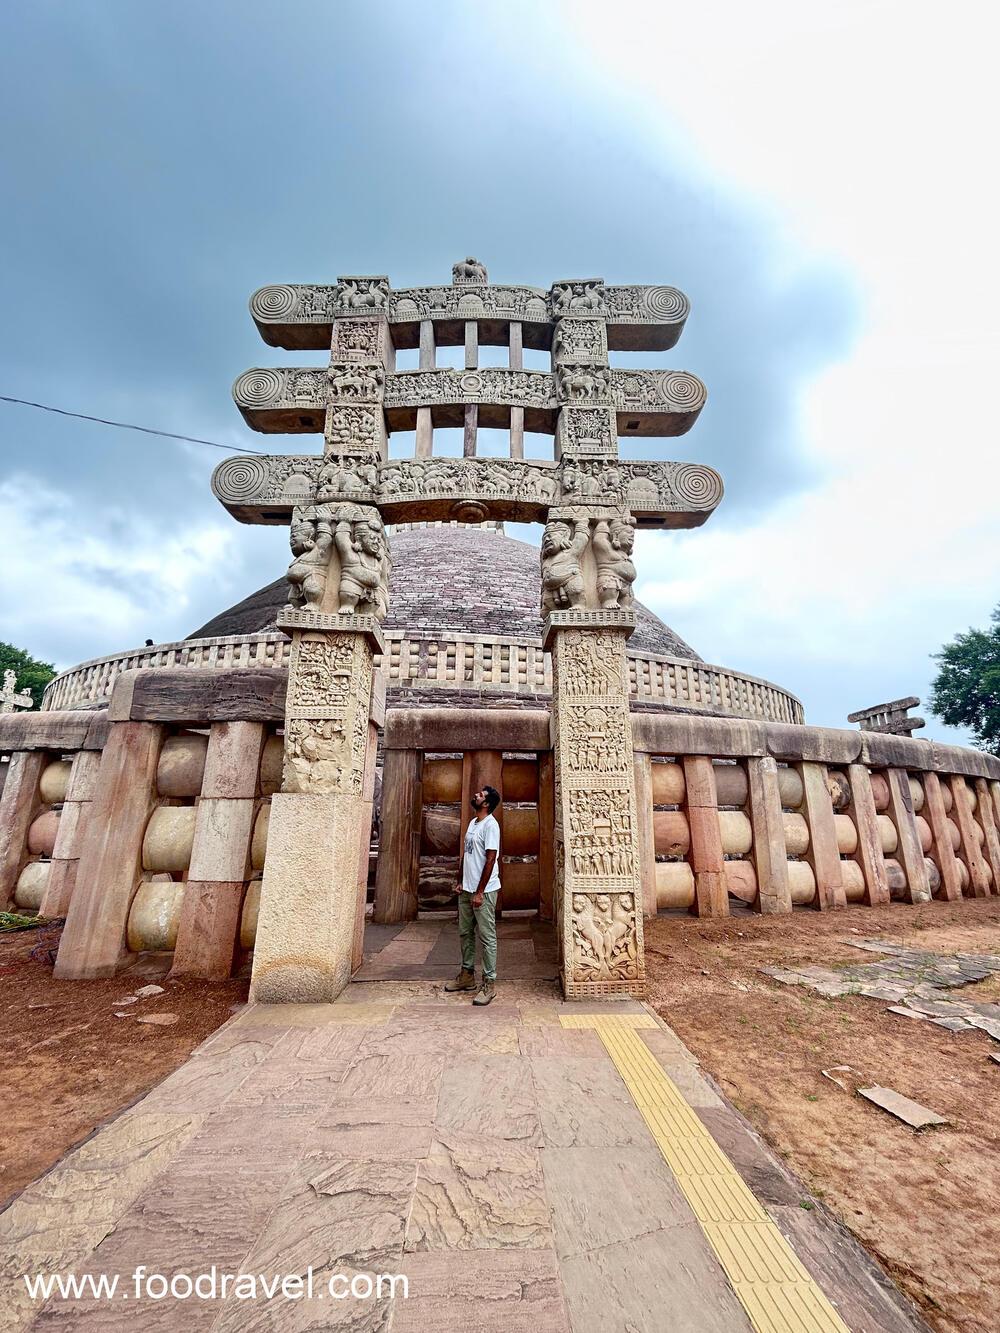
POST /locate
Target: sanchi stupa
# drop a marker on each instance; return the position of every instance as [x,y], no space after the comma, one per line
[213,799]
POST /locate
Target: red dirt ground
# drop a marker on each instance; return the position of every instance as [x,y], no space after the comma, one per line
[925,1204]
[69,1064]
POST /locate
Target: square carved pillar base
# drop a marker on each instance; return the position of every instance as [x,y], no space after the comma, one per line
[320,826]
[598,904]
[309,897]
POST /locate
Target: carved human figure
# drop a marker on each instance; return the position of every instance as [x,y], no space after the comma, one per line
[311,539]
[363,567]
[562,546]
[612,543]
[586,928]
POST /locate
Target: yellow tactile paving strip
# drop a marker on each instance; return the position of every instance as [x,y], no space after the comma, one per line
[764,1271]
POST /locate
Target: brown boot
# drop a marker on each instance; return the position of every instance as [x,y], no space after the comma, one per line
[464,981]
[487,992]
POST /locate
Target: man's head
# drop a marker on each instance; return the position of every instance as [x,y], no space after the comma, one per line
[487,799]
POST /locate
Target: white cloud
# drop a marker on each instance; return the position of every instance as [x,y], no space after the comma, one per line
[70,591]
[867,131]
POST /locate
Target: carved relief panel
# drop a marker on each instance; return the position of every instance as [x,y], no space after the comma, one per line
[326,716]
[601,929]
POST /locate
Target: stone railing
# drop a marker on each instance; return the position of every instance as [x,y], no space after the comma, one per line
[779,816]
[89,685]
[484,663]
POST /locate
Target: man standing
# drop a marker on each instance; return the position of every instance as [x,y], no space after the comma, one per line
[477,891]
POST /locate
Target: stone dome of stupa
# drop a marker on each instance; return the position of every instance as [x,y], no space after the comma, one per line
[467,581]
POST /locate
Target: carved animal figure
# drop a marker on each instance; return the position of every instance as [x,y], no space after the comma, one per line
[361,297]
[340,476]
[355,381]
[582,382]
[577,296]
[468,270]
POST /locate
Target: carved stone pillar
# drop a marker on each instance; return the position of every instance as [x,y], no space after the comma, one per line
[598,908]
[320,825]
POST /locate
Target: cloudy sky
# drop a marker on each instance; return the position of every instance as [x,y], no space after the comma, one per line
[820,180]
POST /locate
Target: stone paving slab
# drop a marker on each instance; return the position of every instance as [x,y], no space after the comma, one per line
[490,1291]
[916,981]
[495,1157]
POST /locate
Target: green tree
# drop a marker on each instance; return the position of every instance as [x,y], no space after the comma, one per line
[31,674]
[966,690]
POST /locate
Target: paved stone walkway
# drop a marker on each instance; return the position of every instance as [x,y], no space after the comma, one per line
[427,949]
[511,1162]
[916,979]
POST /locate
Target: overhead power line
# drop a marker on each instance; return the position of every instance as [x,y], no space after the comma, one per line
[128,425]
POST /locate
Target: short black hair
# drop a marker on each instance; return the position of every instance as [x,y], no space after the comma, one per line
[492,798]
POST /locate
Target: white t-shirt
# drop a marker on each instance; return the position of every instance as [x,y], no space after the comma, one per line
[482,835]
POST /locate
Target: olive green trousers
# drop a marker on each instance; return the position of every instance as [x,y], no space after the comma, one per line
[483,919]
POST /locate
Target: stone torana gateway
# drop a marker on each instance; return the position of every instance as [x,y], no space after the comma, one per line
[214,799]
[337,505]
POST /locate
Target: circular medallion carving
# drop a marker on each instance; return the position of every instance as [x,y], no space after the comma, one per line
[697,485]
[666,304]
[683,391]
[472,383]
[239,478]
[257,388]
[272,303]
[469,511]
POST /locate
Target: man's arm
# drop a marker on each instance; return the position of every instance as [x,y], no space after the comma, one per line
[484,878]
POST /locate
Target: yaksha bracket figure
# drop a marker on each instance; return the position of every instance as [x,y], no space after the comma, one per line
[356,534]
[311,539]
[563,543]
[612,542]
[364,563]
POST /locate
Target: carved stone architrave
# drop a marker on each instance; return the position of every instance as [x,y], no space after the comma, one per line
[663,494]
[598,905]
[639,317]
[645,402]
